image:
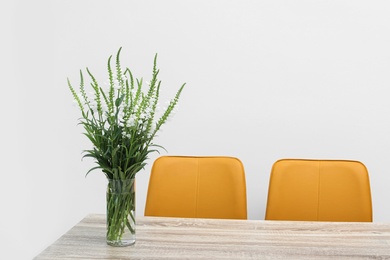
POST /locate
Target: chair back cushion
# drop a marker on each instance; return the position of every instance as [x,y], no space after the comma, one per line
[197,187]
[319,190]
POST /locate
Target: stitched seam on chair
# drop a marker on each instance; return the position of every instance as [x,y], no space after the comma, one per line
[197,187]
[318,192]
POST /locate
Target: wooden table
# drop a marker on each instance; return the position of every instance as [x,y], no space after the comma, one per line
[177,238]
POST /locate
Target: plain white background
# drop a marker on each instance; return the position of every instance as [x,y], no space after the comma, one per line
[265,80]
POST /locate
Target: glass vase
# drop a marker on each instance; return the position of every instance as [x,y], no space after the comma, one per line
[121,212]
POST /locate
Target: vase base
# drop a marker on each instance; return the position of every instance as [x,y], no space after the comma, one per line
[122,243]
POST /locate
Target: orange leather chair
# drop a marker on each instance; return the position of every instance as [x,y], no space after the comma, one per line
[197,187]
[319,190]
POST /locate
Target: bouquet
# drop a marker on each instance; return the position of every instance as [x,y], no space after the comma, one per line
[121,121]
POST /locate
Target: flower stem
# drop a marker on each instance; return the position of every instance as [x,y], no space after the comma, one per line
[120,211]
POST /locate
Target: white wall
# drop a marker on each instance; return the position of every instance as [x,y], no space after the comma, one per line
[265,80]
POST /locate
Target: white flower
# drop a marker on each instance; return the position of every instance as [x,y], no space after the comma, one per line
[116,85]
[121,114]
[148,111]
[143,115]
[131,121]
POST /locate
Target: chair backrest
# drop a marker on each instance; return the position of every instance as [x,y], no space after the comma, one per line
[319,190]
[197,187]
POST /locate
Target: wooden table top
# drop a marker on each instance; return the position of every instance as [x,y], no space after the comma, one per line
[183,238]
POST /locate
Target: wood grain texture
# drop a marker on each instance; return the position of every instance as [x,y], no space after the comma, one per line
[183,238]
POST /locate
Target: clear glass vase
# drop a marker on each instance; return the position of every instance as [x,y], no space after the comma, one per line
[121,212]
